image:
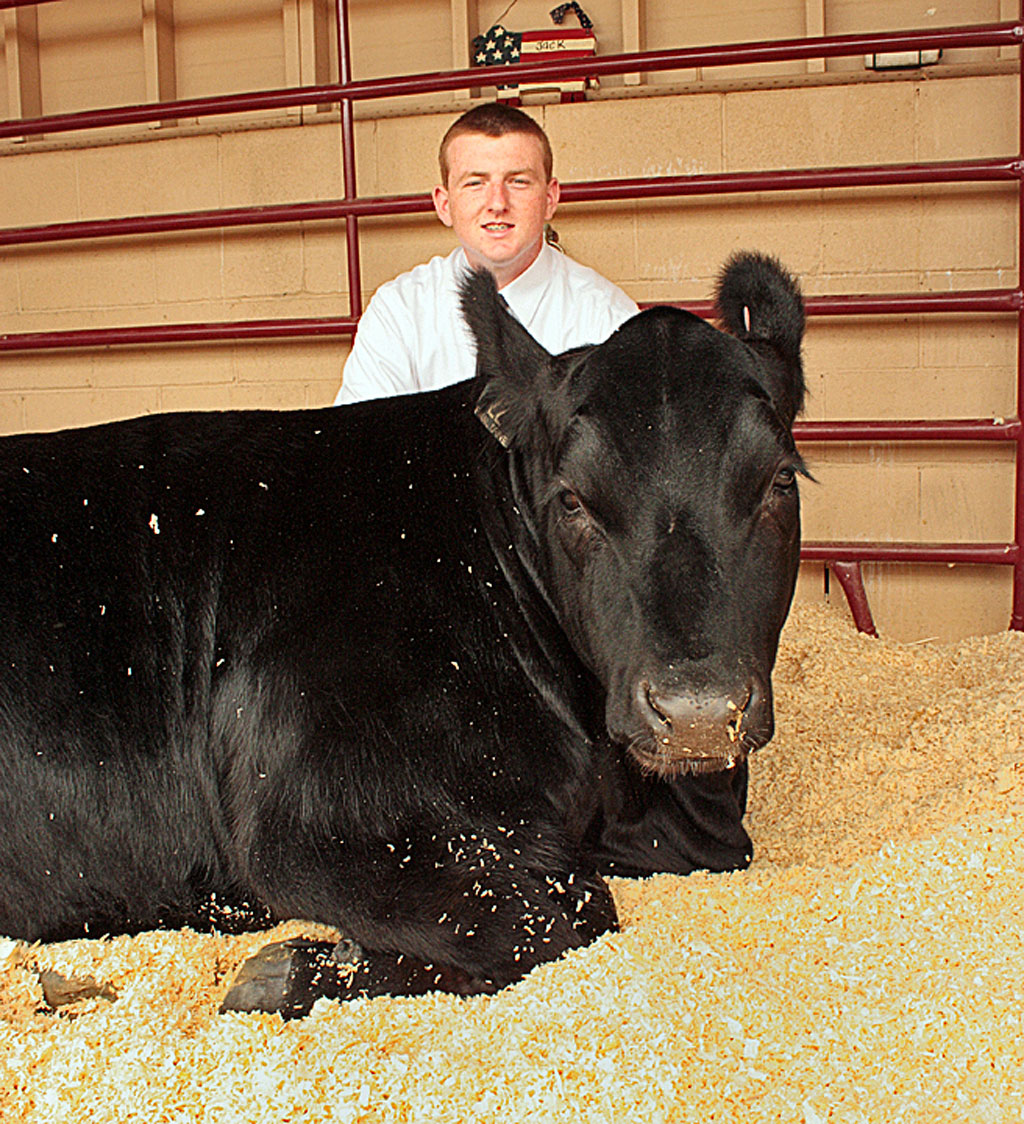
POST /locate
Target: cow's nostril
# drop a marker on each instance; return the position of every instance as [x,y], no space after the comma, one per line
[736,712]
[650,698]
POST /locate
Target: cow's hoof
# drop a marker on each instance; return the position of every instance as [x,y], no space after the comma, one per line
[287,978]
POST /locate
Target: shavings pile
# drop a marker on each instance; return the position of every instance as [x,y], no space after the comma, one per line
[866,968]
[879,741]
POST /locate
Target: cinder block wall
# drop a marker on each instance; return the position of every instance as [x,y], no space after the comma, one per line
[249,272]
[876,240]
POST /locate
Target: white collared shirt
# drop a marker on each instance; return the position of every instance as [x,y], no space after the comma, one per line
[412,336]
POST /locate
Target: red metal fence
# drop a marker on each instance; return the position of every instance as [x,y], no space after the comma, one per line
[844,559]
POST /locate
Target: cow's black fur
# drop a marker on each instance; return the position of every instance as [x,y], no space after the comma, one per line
[375,668]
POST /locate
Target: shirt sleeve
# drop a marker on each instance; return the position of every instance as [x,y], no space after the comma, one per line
[598,313]
[380,363]
[619,309]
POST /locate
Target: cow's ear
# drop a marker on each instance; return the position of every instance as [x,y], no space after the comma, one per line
[759,302]
[510,364]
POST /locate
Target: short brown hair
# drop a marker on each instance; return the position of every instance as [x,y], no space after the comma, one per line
[494,120]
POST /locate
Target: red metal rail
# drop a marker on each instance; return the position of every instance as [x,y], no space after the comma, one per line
[653,187]
[843,558]
[982,300]
[739,54]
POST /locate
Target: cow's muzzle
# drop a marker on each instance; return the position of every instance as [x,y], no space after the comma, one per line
[700,730]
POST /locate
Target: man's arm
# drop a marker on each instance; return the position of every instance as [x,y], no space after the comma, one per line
[380,363]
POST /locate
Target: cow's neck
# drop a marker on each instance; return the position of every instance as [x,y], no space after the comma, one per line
[508,517]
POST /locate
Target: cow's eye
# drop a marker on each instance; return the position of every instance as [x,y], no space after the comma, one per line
[785,479]
[569,502]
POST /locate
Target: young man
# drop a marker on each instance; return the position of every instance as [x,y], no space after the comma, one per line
[496,193]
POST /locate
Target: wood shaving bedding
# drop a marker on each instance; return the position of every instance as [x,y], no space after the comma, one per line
[866,968]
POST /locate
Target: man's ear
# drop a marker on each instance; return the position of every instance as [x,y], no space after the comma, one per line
[441,204]
[510,364]
[552,196]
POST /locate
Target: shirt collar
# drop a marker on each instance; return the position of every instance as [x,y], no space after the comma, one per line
[525,293]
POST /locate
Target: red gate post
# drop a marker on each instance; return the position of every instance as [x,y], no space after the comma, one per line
[1017,611]
[348,162]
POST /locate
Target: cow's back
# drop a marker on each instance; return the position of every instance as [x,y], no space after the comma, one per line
[107,622]
[212,624]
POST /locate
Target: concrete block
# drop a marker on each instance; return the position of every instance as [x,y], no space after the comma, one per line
[274,308]
[38,188]
[12,412]
[953,393]
[158,175]
[287,362]
[267,396]
[9,300]
[946,279]
[967,118]
[108,274]
[210,396]
[262,263]
[969,341]
[969,228]
[325,261]
[181,367]
[869,231]
[862,346]
[668,291]
[818,126]
[844,503]
[49,410]
[810,583]
[264,166]
[855,367]
[26,372]
[967,502]
[602,237]
[189,267]
[405,153]
[321,392]
[686,242]
[681,136]
[905,280]
[392,245]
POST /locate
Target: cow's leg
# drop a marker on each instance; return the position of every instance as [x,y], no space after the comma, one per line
[287,978]
[505,923]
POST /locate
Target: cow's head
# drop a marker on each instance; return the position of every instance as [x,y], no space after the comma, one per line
[658,477]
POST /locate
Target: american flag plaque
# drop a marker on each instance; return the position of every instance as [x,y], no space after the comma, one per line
[499,46]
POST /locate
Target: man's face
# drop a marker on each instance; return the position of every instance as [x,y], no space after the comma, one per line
[497,200]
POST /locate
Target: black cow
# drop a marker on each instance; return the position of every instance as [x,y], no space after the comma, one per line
[386,667]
